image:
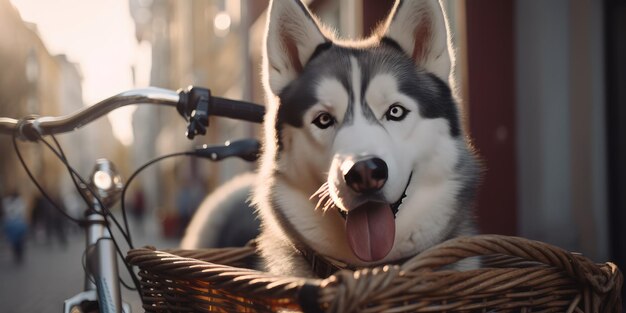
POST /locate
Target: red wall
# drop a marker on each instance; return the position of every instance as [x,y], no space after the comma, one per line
[491,109]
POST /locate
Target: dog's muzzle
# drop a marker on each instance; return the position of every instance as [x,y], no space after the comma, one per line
[368,176]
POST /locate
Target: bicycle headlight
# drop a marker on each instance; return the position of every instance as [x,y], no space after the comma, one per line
[102,180]
[105,181]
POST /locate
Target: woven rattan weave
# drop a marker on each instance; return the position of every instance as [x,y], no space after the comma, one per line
[518,275]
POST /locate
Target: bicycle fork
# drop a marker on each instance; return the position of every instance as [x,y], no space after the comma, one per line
[101,280]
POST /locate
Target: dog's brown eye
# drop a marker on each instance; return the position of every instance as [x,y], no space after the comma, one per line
[396,112]
[324,120]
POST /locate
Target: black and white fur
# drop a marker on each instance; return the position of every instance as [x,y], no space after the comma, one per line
[308,73]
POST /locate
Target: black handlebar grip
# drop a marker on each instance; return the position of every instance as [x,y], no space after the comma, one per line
[192,97]
[237,109]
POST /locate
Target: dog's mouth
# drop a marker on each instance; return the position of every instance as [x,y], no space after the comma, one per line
[371,230]
[370,225]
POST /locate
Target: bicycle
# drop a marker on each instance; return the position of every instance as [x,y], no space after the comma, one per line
[104,186]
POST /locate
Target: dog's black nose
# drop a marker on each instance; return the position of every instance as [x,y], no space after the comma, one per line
[367,176]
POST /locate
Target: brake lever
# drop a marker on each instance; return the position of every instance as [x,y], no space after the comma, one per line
[246,149]
[193,105]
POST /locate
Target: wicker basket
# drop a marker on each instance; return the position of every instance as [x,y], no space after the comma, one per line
[518,275]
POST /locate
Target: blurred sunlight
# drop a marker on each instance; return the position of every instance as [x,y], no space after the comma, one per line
[99,35]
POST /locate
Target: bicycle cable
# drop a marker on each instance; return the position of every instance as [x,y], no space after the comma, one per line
[74,174]
[139,170]
[126,233]
[77,221]
[41,190]
[84,264]
[108,214]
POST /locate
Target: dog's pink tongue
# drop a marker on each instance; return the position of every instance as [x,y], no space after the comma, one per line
[371,230]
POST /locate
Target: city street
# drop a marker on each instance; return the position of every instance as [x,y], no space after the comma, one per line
[52,273]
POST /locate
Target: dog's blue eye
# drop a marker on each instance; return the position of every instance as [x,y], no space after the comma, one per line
[396,112]
[324,120]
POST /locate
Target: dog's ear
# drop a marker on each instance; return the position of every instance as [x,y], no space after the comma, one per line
[419,28]
[291,38]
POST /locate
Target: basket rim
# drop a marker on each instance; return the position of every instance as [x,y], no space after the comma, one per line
[603,279]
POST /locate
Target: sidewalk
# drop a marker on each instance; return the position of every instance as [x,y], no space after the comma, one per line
[52,273]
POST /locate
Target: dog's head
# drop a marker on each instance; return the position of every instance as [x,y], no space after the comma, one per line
[359,126]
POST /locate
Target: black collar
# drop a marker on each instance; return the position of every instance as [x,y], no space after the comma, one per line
[395,207]
[323,266]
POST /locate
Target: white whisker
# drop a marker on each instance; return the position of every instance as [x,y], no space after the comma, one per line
[325,201]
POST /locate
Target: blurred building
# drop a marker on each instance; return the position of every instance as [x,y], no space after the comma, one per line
[545,93]
[202,43]
[82,146]
[33,81]
[29,84]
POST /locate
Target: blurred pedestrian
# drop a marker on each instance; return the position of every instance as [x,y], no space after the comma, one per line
[14,224]
[1,211]
[38,220]
[52,220]
[138,208]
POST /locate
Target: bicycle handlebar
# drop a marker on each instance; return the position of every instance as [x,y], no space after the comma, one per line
[194,104]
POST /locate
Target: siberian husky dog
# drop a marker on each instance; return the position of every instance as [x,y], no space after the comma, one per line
[365,161]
